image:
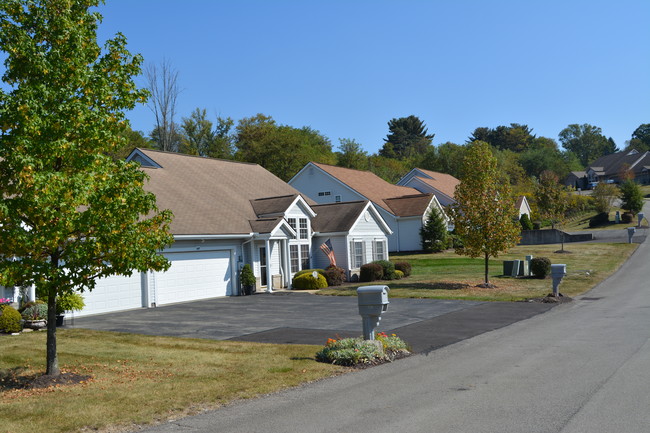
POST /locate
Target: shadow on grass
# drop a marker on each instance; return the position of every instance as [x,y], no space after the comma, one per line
[430,286]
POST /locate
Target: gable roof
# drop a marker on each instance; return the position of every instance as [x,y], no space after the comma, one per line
[443,182]
[410,205]
[371,186]
[213,197]
[610,165]
[341,217]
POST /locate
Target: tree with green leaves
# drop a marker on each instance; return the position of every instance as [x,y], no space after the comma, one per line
[200,137]
[640,138]
[69,213]
[351,155]
[631,196]
[587,142]
[515,137]
[407,137]
[434,234]
[551,198]
[604,195]
[281,149]
[484,215]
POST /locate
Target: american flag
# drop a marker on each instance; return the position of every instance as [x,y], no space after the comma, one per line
[329,251]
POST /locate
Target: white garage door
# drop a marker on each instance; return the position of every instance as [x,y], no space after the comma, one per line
[194,275]
[114,293]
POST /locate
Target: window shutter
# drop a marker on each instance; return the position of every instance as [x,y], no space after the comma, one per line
[374,252]
[352,255]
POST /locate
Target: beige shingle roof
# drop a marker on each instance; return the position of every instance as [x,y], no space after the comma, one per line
[371,186]
[410,205]
[212,196]
[337,217]
[445,183]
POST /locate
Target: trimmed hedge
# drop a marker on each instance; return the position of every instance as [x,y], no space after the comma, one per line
[388,268]
[9,319]
[308,282]
[405,267]
[309,271]
[540,267]
[371,272]
[334,275]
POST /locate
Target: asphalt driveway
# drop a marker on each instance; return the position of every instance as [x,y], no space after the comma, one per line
[303,318]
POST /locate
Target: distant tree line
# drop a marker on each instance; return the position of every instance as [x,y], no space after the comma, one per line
[521,155]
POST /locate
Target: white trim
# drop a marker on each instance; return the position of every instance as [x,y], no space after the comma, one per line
[370,206]
[141,154]
[198,237]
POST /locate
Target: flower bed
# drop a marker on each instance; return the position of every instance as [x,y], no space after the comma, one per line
[360,352]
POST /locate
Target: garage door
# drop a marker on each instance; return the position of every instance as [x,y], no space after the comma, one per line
[194,275]
[114,293]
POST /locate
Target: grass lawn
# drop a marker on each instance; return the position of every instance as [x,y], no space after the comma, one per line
[450,276]
[141,379]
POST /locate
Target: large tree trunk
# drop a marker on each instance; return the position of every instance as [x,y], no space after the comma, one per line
[52,357]
[487,257]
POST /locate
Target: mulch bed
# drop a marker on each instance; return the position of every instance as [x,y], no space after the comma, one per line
[551,299]
[392,357]
[12,379]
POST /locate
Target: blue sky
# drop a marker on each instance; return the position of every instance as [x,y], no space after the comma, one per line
[346,68]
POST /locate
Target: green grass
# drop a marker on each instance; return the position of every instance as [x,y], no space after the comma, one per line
[141,379]
[450,276]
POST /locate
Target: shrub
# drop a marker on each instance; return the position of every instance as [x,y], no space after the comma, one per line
[631,197]
[334,275]
[599,220]
[35,312]
[9,319]
[371,272]
[526,223]
[540,267]
[308,282]
[69,302]
[388,268]
[391,343]
[309,271]
[627,217]
[405,267]
[537,225]
[399,274]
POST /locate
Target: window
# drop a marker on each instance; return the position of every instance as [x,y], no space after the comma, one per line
[378,250]
[324,193]
[304,232]
[304,256]
[337,199]
[292,223]
[356,253]
[294,258]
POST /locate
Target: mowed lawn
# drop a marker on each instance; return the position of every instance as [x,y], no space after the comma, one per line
[139,379]
[450,276]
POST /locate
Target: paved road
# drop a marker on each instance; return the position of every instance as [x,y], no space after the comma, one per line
[581,367]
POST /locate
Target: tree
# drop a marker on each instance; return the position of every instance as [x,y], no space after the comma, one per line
[434,233]
[283,150]
[407,137]
[515,137]
[587,142]
[551,198]
[351,155]
[132,139]
[485,217]
[604,195]
[200,137]
[389,169]
[445,158]
[69,213]
[640,138]
[631,196]
[162,82]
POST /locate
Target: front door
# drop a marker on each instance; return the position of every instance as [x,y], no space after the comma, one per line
[263,266]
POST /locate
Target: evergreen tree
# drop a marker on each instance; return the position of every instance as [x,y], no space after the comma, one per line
[434,234]
[631,196]
[526,223]
[407,137]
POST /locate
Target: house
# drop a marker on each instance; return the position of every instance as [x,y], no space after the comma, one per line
[403,208]
[227,214]
[577,180]
[522,206]
[441,185]
[356,232]
[611,168]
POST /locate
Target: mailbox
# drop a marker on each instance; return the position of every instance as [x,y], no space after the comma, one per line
[630,234]
[373,300]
